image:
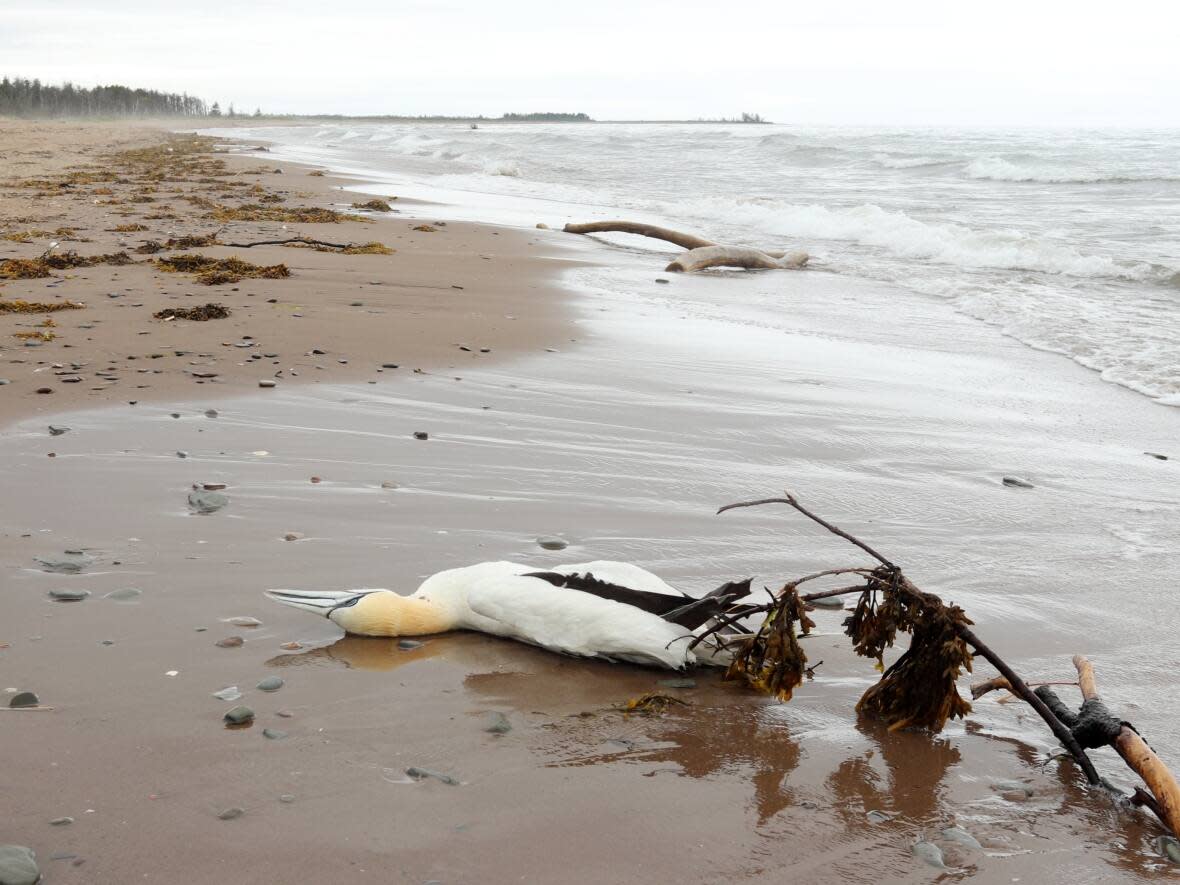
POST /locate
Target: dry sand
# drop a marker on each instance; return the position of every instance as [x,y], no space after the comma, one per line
[458,285]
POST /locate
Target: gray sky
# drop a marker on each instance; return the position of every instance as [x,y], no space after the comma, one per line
[895,62]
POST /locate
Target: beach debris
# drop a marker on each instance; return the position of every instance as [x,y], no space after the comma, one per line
[421,434]
[58,430]
[202,501]
[876,816]
[293,536]
[19,306]
[18,866]
[702,253]
[919,689]
[211,413]
[1017,483]
[231,814]
[230,693]
[651,704]
[273,734]
[287,214]
[421,774]
[239,715]
[61,822]
[267,383]
[270,683]
[375,205]
[551,542]
[291,646]
[215,271]
[230,642]
[24,699]
[242,621]
[1157,456]
[68,595]
[210,311]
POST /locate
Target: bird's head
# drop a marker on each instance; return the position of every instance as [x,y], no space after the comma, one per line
[367,612]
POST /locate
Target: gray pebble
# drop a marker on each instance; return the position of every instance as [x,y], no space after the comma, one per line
[1017,483]
[421,434]
[497,723]
[389,484]
[662,280]
[182,454]
[266,382]
[293,536]
[1157,456]
[230,642]
[57,430]
[270,683]
[206,502]
[239,716]
[420,774]
[958,834]
[108,642]
[127,594]
[68,595]
[389,365]
[231,814]
[71,564]
[211,413]
[4,381]
[551,542]
[287,798]
[273,734]
[61,821]
[1169,847]
[1012,787]
[828,602]
[18,866]
[408,644]
[24,699]
[928,852]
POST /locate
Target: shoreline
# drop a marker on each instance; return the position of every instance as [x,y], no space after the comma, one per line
[497,296]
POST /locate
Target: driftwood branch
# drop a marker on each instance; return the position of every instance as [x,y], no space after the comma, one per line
[307,240]
[735,256]
[683,240]
[701,253]
[1139,756]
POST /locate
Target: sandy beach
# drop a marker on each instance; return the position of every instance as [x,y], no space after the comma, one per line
[336,317]
[619,422]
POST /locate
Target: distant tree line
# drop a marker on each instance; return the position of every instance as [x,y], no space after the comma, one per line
[32,98]
[547,118]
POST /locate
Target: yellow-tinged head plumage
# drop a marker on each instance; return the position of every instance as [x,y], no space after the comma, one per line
[370,612]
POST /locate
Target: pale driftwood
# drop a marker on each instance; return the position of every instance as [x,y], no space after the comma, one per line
[1139,756]
[683,240]
[734,256]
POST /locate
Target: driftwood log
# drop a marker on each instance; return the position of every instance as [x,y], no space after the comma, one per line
[922,691]
[702,253]
[734,256]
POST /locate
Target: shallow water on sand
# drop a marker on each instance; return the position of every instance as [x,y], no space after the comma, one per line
[888,415]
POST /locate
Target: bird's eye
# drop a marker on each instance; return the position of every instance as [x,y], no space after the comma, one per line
[349,602]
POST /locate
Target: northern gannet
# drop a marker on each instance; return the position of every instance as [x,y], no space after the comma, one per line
[611,610]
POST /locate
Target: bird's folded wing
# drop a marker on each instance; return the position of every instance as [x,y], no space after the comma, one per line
[577,623]
[622,573]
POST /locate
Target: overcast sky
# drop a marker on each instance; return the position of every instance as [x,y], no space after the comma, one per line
[829,61]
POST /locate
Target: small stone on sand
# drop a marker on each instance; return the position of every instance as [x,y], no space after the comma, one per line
[239,716]
[68,595]
[420,774]
[18,866]
[421,434]
[551,542]
[229,642]
[231,814]
[293,536]
[1017,483]
[24,699]
[273,734]
[497,723]
[270,683]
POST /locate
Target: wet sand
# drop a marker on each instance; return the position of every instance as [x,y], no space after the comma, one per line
[624,444]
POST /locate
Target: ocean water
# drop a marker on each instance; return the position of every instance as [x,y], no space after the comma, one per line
[1069,241]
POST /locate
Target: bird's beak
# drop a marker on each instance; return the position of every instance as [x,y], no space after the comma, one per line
[319,602]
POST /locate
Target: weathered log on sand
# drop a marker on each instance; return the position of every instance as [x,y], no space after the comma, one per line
[683,240]
[1138,755]
[734,256]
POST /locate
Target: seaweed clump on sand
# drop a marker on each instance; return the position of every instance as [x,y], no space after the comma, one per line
[374,205]
[23,269]
[19,306]
[214,271]
[258,212]
[210,311]
[67,260]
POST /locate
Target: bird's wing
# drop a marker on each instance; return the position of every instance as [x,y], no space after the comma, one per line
[577,623]
[622,573]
